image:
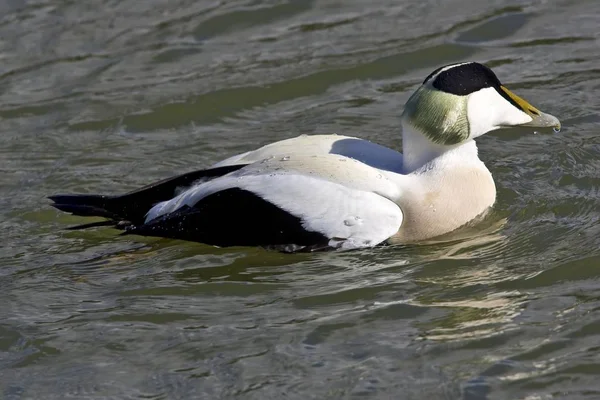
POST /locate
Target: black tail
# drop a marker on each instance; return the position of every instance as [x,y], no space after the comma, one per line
[92,205]
[86,205]
[131,208]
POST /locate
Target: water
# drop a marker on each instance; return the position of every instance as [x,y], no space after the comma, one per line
[106,96]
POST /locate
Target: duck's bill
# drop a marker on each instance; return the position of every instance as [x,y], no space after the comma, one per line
[543,120]
[539,119]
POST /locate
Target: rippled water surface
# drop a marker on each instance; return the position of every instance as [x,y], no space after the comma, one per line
[105,96]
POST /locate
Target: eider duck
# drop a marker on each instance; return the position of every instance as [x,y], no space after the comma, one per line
[337,192]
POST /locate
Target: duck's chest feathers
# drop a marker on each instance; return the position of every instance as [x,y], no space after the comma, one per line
[445,200]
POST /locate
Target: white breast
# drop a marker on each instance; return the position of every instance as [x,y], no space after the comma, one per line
[446,200]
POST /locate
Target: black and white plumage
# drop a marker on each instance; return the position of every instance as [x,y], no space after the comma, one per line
[329,191]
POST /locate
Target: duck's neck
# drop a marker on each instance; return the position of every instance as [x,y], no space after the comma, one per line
[417,150]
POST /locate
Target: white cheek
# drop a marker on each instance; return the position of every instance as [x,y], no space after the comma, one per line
[487,111]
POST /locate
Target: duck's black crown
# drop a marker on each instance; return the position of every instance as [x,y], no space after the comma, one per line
[466,78]
[463,79]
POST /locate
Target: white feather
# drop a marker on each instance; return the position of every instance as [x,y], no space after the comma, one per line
[488,111]
[362,150]
[347,201]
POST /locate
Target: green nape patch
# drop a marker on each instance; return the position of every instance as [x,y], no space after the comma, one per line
[442,117]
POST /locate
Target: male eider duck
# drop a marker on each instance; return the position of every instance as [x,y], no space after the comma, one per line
[337,192]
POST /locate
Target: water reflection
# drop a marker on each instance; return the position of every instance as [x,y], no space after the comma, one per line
[506,308]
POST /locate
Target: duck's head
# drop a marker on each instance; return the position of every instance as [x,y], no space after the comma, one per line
[460,102]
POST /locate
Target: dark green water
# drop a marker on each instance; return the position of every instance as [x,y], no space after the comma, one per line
[105,96]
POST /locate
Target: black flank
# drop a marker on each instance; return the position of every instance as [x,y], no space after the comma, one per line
[235,217]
